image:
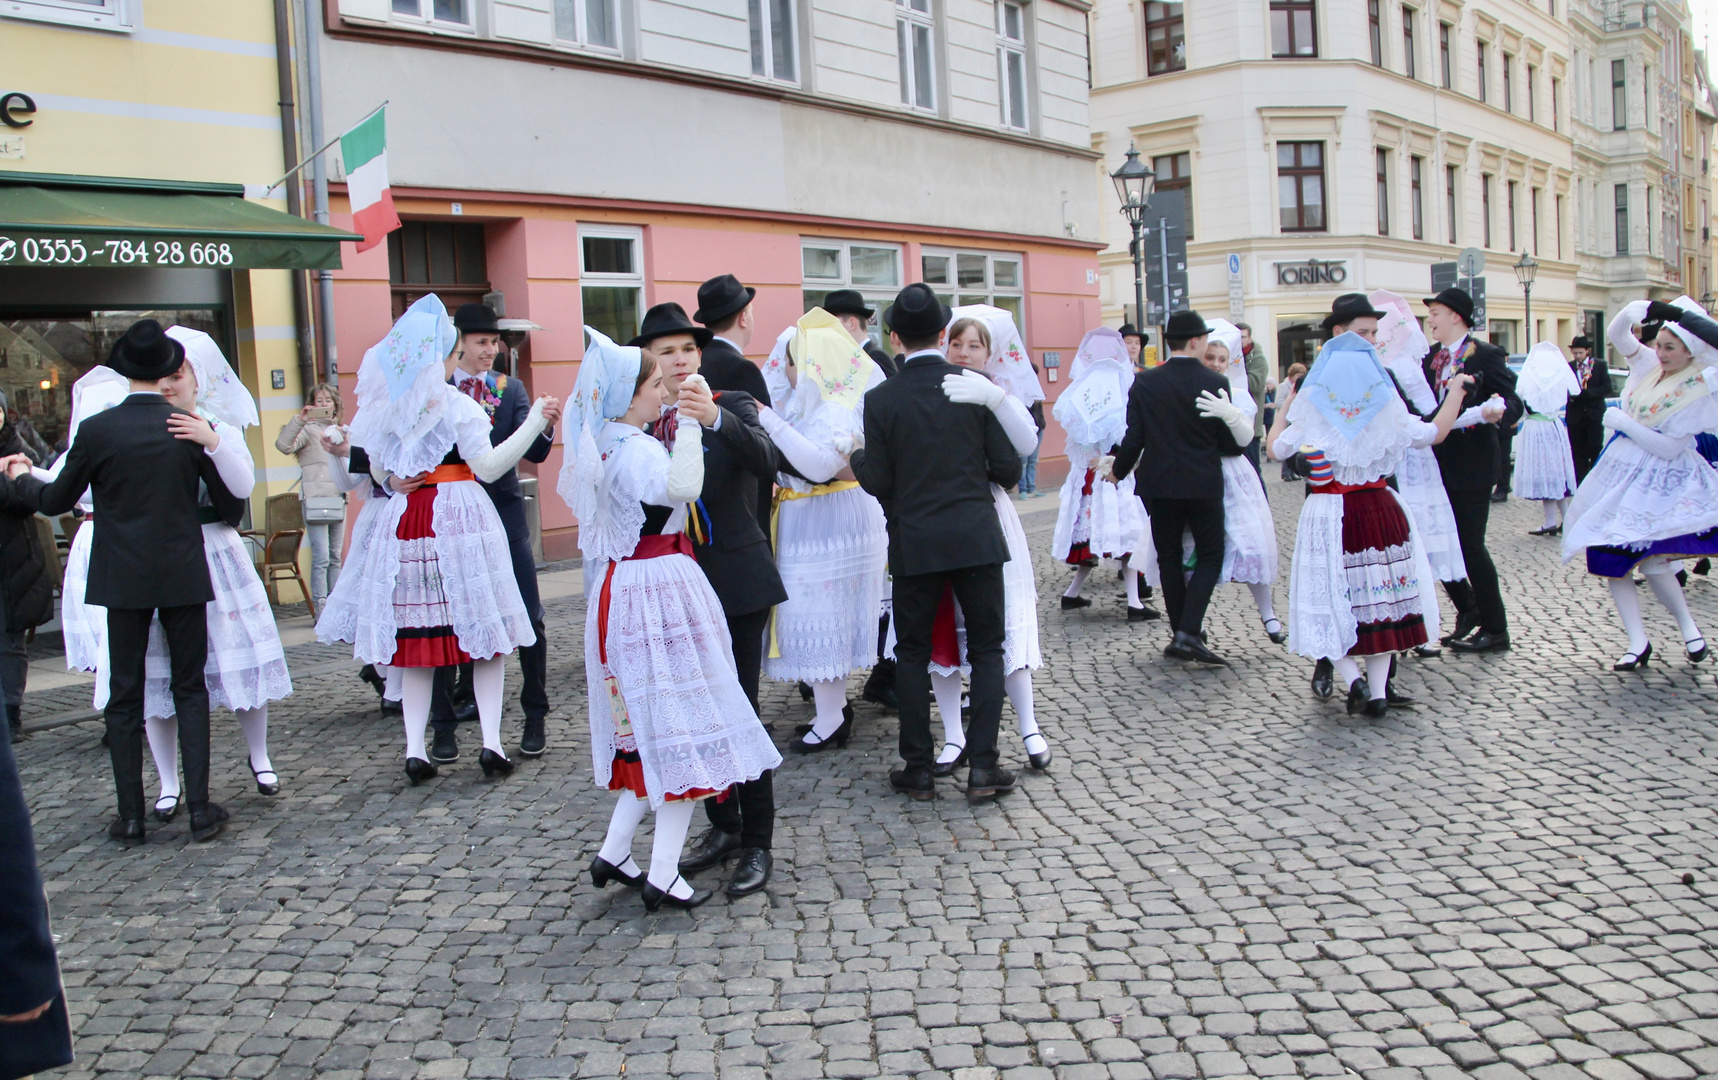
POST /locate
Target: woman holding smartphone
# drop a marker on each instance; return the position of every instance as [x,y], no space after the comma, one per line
[324,503]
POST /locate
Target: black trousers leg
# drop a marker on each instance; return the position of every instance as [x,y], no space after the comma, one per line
[980,592]
[443,694]
[750,808]
[915,612]
[1472,513]
[533,659]
[1205,519]
[186,630]
[127,642]
[1168,522]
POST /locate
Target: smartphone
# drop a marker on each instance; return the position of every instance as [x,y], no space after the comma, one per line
[320,412]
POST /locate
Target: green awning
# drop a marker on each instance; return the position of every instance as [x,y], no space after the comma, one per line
[81,221]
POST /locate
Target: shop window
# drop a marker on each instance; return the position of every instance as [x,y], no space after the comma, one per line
[1165,38]
[1011,62]
[1175,173]
[1300,186]
[915,32]
[971,277]
[101,14]
[1294,29]
[773,41]
[873,269]
[587,22]
[439,257]
[455,12]
[611,279]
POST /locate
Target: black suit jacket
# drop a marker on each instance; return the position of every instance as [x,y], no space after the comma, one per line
[1468,457]
[1182,452]
[148,550]
[726,368]
[883,359]
[1587,409]
[931,462]
[509,416]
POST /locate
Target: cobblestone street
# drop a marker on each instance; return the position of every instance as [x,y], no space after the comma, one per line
[1218,876]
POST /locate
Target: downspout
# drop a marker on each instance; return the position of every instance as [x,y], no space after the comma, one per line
[319,181]
[294,198]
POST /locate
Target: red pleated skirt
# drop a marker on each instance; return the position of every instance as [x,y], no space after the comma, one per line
[1378,554]
[424,636]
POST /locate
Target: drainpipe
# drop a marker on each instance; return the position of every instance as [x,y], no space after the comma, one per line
[294,199]
[319,181]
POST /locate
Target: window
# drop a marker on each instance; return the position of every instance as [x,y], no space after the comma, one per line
[1481,49]
[1619,96]
[1011,62]
[1300,186]
[772,39]
[611,283]
[1450,199]
[587,22]
[873,269]
[1533,211]
[1531,78]
[1165,38]
[1621,224]
[1416,198]
[438,257]
[1408,42]
[1646,95]
[1485,207]
[1375,26]
[1293,29]
[1556,95]
[1383,192]
[1509,208]
[1558,224]
[914,29]
[441,11]
[1175,173]
[100,14]
[1508,83]
[1444,55]
[970,277]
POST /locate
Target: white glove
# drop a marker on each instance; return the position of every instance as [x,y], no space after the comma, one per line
[336,434]
[1240,425]
[1613,418]
[1491,411]
[971,388]
[1104,468]
[845,444]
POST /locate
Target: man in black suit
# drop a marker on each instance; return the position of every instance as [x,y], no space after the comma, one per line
[1586,412]
[1468,459]
[931,462]
[1182,481]
[1135,344]
[507,403]
[147,562]
[734,552]
[725,309]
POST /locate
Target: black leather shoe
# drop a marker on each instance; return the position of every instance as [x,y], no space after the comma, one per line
[1428,651]
[1359,693]
[494,764]
[1073,603]
[392,708]
[880,685]
[1143,614]
[1185,646]
[369,674]
[418,770]
[207,820]
[444,747]
[1465,625]
[655,898]
[466,713]
[1323,680]
[1703,567]
[1039,761]
[805,691]
[1696,655]
[1484,641]
[531,743]
[1395,697]
[1634,661]
[805,744]
[166,808]
[1277,636]
[1499,496]
[947,768]
[713,847]
[1377,708]
[128,831]
[15,723]
[914,783]
[982,784]
[752,873]
[603,872]
[264,787]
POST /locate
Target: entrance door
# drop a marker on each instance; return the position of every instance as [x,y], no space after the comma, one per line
[1298,340]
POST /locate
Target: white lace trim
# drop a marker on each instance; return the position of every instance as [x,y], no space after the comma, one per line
[413,434]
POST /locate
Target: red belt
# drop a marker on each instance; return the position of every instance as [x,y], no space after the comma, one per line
[447,474]
[1336,488]
[649,547]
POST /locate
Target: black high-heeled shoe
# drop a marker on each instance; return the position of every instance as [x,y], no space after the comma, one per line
[172,811]
[603,872]
[838,738]
[270,787]
[1040,761]
[655,898]
[1359,694]
[947,768]
[1696,655]
[1277,636]
[1639,661]
[494,764]
[418,770]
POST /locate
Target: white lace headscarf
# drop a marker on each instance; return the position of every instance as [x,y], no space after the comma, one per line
[1402,346]
[1229,335]
[775,370]
[1092,408]
[1546,379]
[1705,356]
[608,379]
[408,417]
[1008,364]
[220,394]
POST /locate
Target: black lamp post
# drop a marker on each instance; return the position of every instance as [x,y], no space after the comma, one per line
[1526,269]
[1133,183]
[1706,302]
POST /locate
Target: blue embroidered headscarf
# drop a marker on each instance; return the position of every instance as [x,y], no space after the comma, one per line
[1348,384]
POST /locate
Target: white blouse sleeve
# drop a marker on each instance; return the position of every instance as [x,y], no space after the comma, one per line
[1654,442]
[1017,424]
[685,479]
[233,461]
[1421,433]
[818,464]
[490,463]
[1286,445]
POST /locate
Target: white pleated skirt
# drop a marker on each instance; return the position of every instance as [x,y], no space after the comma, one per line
[832,551]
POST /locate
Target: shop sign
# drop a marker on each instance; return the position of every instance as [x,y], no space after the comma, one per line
[99,251]
[1313,272]
[15,109]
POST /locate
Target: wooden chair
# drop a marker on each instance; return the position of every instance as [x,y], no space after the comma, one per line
[69,526]
[282,535]
[56,564]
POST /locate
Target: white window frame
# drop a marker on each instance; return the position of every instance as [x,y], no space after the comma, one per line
[469,26]
[912,15]
[1007,47]
[581,10]
[107,15]
[605,279]
[761,19]
[953,294]
[876,296]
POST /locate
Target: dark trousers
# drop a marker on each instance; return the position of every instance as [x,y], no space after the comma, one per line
[1472,512]
[533,659]
[187,632]
[1186,598]
[1252,452]
[1586,439]
[1505,460]
[749,808]
[979,591]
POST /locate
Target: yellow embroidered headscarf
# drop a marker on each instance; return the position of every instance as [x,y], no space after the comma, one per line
[830,360]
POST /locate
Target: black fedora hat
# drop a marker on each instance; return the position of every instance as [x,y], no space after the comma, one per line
[1185,325]
[1130,330]
[1347,308]
[1458,301]
[1582,341]
[917,314]
[475,319]
[721,297]
[847,302]
[146,353]
[670,318]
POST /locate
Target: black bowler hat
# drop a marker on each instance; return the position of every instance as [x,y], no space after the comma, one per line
[721,297]
[1582,342]
[1185,325]
[917,314]
[847,302]
[1347,308]
[670,318]
[475,319]
[146,353]
[1458,301]
[1130,330]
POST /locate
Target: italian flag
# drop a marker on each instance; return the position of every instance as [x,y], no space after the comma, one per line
[364,150]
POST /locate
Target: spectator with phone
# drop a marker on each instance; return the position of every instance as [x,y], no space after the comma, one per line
[324,504]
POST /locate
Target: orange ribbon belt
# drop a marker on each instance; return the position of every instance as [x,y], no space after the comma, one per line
[447,474]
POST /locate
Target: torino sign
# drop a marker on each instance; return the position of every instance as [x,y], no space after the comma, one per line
[1313,272]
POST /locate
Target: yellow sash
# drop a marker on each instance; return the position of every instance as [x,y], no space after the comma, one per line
[785,495]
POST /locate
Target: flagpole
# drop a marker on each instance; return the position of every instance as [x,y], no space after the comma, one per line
[313,155]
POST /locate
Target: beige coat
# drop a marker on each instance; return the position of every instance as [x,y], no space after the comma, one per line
[304,440]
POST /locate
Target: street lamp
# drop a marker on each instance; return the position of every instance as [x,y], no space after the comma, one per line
[1706,302]
[1133,183]
[1526,269]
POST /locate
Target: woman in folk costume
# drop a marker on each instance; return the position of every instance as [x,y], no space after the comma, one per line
[434,586]
[1651,499]
[669,721]
[1249,530]
[1544,461]
[1098,516]
[350,474]
[983,340]
[831,539]
[1358,587]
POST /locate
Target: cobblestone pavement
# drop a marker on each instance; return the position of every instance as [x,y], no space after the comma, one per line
[1219,876]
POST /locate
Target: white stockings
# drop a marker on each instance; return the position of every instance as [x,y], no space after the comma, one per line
[1081,573]
[1377,672]
[1554,510]
[673,822]
[1262,599]
[417,686]
[830,698]
[947,691]
[487,683]
[1018,684]
[1661,576]
[629,811]
[163,735]
[1627,599]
